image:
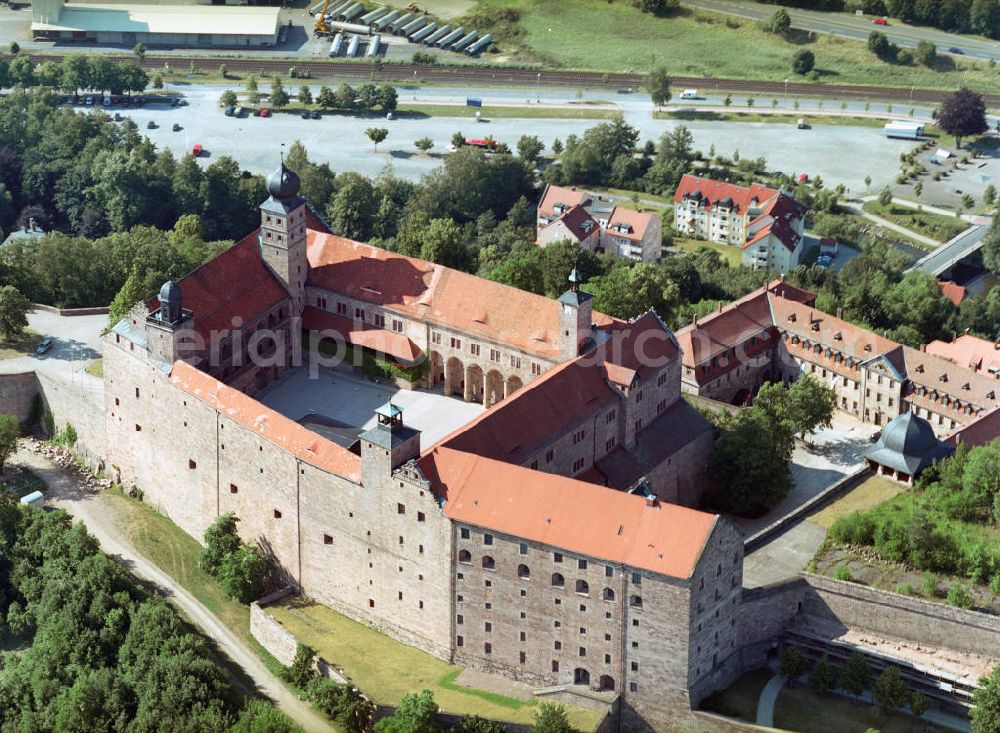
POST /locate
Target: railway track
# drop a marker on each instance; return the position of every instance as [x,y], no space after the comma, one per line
[487,75]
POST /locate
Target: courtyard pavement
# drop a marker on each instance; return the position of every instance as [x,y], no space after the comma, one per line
[351,401]
[832,454]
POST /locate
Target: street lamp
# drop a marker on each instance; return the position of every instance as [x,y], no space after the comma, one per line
[786,87]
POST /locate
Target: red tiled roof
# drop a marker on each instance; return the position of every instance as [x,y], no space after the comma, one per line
[234,284]
[559,195]
[270,425]
[385,342]
[714,191]
[638,223]
[579,223]
[969,351]
[981,432]
[782,230]
[439,295]
[952,291]
[570,514]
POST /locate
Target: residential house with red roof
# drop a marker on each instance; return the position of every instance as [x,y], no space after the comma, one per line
[764,222]
[568,213]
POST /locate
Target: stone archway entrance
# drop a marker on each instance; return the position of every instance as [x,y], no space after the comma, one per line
[454,378]
[494,387]
[514,383]
[435,371]
[474,383]
[581,676]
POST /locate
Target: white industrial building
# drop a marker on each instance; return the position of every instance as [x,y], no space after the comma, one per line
[155,25]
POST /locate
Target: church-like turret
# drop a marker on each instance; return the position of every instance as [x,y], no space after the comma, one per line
[283,234]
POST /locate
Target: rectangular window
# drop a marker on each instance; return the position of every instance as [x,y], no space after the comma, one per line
[464,532]
[609,572]
[488,648]
[487,539]
[460,619]
[456,343]
[379,320]
[523,636]
[420,517]
[515,361]
[523,657]
[558,645]
[460,641]
[397,325]
[549,455]
[536,368]
[277,514]
[327,539]
[494,355]
[581,564]
[523,549]
[474,349]
[233,488]
[359,314]
[489,627]
[555,666]
[436,337]
[400,509]
[583,651]
[557,557]
[636,579]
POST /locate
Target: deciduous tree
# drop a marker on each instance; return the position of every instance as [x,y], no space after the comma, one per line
[658,86]
[10,431]
[962,114]
[14,309]
[377,135]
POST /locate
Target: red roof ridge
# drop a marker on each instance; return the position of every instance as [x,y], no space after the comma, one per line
[269,424]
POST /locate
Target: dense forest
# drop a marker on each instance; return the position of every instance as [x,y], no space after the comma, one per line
[89,649]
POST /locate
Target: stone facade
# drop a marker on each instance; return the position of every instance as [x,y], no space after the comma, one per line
[17,391]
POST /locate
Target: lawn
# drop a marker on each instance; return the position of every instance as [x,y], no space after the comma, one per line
[582,112]
[866,496]
[935,226]
[699,43]
[739,700]
[800,709]
[19,345]
[387,669]
[730,252]
[735,115]
[96,368]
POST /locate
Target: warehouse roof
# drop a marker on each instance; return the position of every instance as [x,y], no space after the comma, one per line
[176,19]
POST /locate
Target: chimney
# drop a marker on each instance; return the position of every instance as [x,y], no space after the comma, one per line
[719,307]
[31,224]
[923,347]
[840,312]
[694,322]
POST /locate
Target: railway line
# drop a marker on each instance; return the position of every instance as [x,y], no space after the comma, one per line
[493,75]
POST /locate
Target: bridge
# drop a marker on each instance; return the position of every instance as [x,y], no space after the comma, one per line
[953,251]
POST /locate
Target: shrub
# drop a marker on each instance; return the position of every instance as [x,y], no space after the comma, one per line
[792,664]
[300,673]
[823,678]
[857,528]
[930,584]
[856,675]
[242,574]
[843,573]
[959,596]
[803,61]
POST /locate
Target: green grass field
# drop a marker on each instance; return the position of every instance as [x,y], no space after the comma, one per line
[800,709]
[386,669]
[739,700]
[96,368]
[582,112]
[935,226]
[19,345]
[866,496]
[699,43]
[731,253]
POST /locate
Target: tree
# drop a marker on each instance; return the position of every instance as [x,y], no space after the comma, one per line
[442,242]
[423,144]
[856,675]
[305,95]
[10,431]
[279,97]
[889,690]
[810,404]
[803,61]
[918,189]
[139,51]
[15,48]
[228,98]
[259,716]
[968,201]
[221,539]
[986,704]
[14,309]
[792,664]
[557,146]
[885,196]
[529,147]
[926,54]
[779,23]
[327,98]
[823,678]
[919,704]
[962,114]
[550,718]
[457,140]
[251,83]
[157,81]
[130,294]
[223,71]
[302,670]
[417,713]
[878,43]
[353,207]
[991,249]
[242,574]
[388,98]
[990,195]
[475,724]
[658,86]
[377,135]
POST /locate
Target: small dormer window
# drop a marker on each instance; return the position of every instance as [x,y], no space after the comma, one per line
[838,336]
[967,386]
[868,347]
[791,318]
[920,368]
[943,378]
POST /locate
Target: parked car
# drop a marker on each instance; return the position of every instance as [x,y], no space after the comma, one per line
[238,112]
[175,101]
[44,346]
[182,102]
[229,110]
[197,150]
[389,116]
[88,101]
[316,115]
[956,49]
[176,127]
[880,21]
[151,125]
[824,261]
[264,113]
[307,115]
[118,117]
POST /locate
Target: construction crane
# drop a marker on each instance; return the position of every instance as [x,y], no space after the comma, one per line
[321,28]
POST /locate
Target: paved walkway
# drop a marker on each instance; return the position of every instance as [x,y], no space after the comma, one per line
[855,209]
[768,696]
[100,518]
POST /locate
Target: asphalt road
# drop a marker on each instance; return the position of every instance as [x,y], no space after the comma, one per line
[858,28]
[101,519]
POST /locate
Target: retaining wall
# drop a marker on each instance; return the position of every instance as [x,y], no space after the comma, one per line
[922,622]
[70,311]
[73,403]
[16,394]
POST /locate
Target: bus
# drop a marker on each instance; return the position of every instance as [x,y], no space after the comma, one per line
[482,143]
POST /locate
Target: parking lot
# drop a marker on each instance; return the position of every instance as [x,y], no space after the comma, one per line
[339,139]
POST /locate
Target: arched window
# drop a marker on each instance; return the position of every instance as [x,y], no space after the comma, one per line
[464,556]
[609,595]
[635,601]
[581,676]
[582,587]
[558,581]
[607,682]
[489,563]
[523,571]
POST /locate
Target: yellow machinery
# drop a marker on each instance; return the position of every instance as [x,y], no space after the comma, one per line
[321,28]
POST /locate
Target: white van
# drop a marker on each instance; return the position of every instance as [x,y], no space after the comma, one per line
[689,94]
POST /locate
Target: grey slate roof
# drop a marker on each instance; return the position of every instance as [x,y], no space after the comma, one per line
[908,444]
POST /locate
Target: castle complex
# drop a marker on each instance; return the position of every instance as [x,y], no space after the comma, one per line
[554,539]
